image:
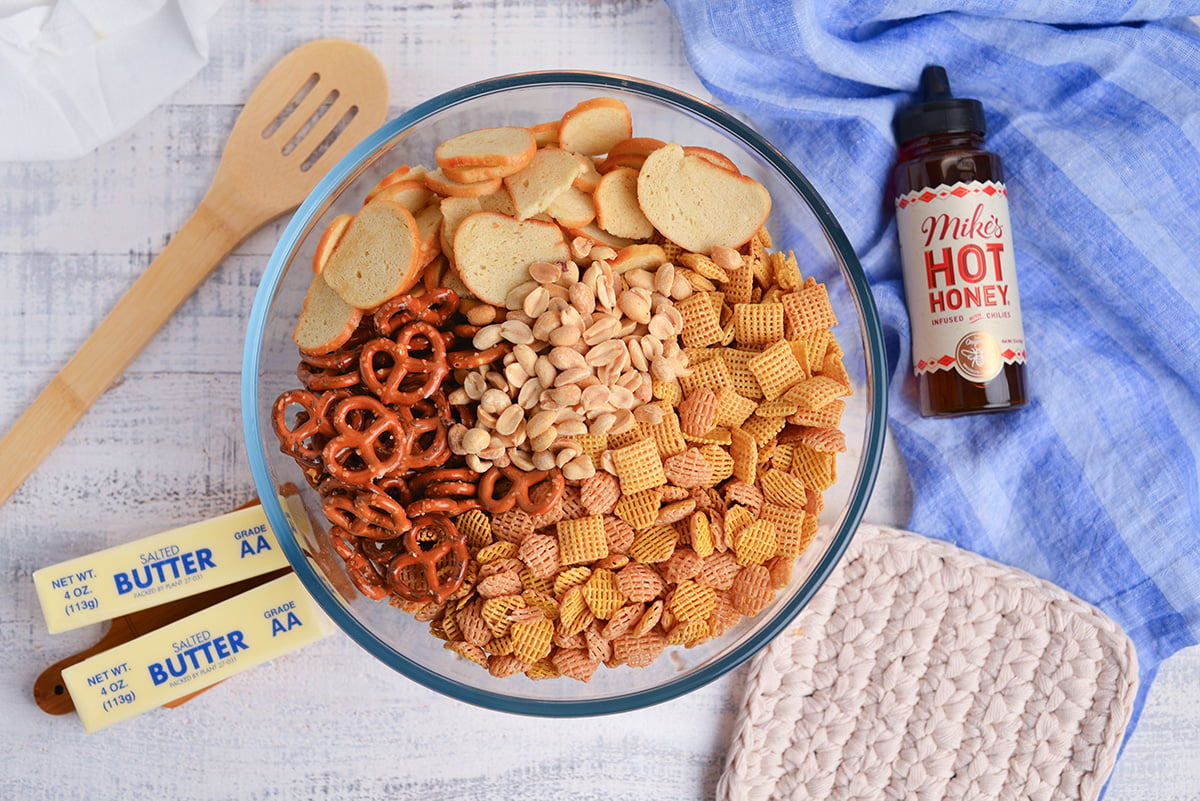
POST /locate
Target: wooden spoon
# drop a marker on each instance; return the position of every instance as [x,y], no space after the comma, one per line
[319,101]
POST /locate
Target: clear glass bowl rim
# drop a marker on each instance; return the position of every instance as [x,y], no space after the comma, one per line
[873,352]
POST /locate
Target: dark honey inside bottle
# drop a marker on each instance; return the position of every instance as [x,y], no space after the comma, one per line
[942,153]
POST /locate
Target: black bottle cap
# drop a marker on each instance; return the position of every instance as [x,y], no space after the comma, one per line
[939,111]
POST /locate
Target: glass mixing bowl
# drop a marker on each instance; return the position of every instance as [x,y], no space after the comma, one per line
[799,221]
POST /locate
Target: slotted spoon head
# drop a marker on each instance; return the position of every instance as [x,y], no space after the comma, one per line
[319,101]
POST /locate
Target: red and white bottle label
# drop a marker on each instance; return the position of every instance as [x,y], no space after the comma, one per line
[960,279]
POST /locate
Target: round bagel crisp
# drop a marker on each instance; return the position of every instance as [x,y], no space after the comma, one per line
[594,126]
[326,321]
[697,204]
[378,256]
[492,252]
[487,147]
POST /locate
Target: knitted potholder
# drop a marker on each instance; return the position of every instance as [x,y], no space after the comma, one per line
[922,671]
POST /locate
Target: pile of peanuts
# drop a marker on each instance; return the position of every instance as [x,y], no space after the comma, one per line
[587,348]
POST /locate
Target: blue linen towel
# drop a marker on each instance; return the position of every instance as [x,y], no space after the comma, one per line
[1095,109]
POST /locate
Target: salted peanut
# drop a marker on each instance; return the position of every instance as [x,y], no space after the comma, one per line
[378,256]
[697,204]
[443,184]
[326,320]
[595,126]
[493,252]
[329,241]
[487,147]
[536,185]
[617,209]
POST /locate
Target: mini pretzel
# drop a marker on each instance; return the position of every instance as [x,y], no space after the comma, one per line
[517,494]
[449,491]
[365,576]
[388,383]
[431,539]
[319,379]
[306,438]
[368,448]
[434,307]
[470,359]
[396,487]
[455,482]
[426,452]
[450,507]
[373,515]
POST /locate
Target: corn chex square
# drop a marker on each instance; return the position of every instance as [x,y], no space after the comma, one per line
[692,601]
[776,369]
[667,435]
[760,260]
[815,392]
[827,416]
[640,509]
[713,373]
[832,367]
[638,466]
[732,408]
[764,429]
[721,461]
[654,544]
[755,543]
[703,265]
[814,468]
[808,309]
[593,445]
[581,540]
[740,286]
[794,528]
[787,270]
[758,325]
[668,391]
[744,451]
[741,379]
[602,594]
[784,489]
[817,342]
[701,323]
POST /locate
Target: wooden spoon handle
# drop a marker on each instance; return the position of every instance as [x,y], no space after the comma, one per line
[200,245]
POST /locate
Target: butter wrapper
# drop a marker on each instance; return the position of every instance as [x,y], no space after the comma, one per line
[163,567]
[195,652]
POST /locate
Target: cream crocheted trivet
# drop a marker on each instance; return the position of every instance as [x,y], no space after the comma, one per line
[922,671]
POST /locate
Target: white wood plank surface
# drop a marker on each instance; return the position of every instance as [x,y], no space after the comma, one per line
[163,448]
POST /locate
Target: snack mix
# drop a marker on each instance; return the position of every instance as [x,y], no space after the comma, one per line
[562,400]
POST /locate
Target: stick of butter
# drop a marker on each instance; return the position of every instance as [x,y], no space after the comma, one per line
[194,652]
[157,569]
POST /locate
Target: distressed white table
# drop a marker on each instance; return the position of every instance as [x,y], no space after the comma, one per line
[163,448]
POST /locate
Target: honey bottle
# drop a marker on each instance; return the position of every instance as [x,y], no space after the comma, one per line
[960,280]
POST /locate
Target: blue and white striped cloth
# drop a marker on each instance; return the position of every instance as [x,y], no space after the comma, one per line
[1095,109]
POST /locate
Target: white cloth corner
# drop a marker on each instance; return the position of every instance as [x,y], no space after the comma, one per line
[76,73]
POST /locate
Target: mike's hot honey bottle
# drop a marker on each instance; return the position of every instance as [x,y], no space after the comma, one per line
[960,279]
